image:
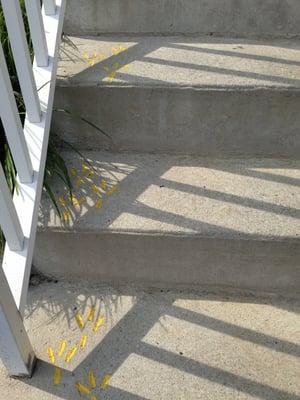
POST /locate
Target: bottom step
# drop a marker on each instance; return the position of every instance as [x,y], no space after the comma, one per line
[175,221]
[160,346]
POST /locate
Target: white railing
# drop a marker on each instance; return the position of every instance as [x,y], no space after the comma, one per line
[28,145]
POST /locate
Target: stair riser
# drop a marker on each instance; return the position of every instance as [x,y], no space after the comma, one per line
[182,121]
[240,17]
[170,261]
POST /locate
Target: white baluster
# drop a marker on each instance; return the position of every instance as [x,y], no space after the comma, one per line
[12,125]
[9,220]
[49,7]
[15,348]
[34,14]
[17,36]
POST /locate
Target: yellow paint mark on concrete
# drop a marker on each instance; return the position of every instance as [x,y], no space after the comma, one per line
[50,353]
[92,379]
[79,182]
[57,376]
[111,72]
[62,348]
[105,381]
[62,201]
[99,204]
[71,354]
[98,324]
[112,190]
[83,341]
[103,184]
[85,168]
[73,171]
[118,49]
[66,215]
[91,314]
[81,201]
[82,388]
[79,320]
[95,188]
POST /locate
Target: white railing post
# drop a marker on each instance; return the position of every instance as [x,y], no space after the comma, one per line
[17,36]
[9,220]
[15,348]
[49,7]
[34,14]
[12,125]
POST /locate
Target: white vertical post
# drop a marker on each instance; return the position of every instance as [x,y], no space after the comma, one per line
[49,7]
[17,36]
[34,14]
[15,348]
[12,125]
[9,220]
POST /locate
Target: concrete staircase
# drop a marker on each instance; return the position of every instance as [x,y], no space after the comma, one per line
[199,177]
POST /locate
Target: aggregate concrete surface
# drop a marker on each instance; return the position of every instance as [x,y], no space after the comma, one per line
[179,61]
[161,345]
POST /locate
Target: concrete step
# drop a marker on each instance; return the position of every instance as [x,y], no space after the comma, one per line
[174,221]
[210,97]
[159,346]
[239,17]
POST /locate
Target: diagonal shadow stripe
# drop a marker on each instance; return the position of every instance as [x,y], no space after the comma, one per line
[231,198]
[236,331]
[213,374]
[229,53]
[223,71]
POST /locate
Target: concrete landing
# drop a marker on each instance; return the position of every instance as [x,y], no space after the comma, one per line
[173,220]
[239,17]
[211,97]
[161,345]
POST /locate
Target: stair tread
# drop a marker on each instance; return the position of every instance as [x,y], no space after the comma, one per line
[180,62]
[181,195]
[178,345]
